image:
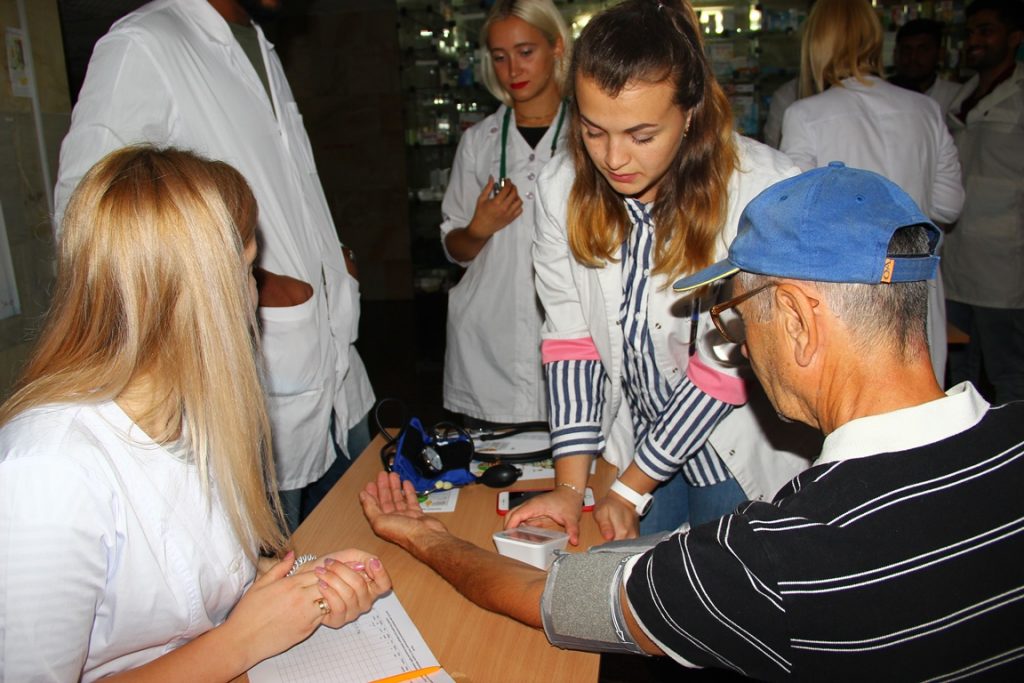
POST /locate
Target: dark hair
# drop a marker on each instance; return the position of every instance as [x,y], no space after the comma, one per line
[647,41]
[921,27]
[1011,12]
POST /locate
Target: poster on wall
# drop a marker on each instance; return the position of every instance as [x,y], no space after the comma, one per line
[10,305]
[16,66]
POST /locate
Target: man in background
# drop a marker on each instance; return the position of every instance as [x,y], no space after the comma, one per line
[918,56]
[983,256]
[200,75]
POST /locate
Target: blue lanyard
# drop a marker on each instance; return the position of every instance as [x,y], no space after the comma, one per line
[504,135]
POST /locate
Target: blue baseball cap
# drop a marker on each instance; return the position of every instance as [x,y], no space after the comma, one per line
[830,224]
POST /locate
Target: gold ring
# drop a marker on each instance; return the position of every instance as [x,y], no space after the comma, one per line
[325,609]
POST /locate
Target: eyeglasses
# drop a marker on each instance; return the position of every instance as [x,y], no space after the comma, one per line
[728,321]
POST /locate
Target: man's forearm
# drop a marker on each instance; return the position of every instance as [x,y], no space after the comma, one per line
[496,583]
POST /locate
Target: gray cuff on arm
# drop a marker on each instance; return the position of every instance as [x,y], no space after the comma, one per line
[581,608]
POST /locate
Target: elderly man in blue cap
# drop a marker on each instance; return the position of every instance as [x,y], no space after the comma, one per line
[895,556]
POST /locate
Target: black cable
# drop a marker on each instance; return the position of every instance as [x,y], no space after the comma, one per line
[390,447]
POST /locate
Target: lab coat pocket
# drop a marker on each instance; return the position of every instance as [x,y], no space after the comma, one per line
[298,407]
[993,201]
[291,347]
[300,424]
[1001,120]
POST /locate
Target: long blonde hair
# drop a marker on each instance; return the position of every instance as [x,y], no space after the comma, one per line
[151,286]
[842,39]
[543,16]
[649,42]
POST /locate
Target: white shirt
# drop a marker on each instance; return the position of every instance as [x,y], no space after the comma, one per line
[172,74]
[492,368]
[908,428]
[761,451]
[943,92]
[784,95]
[110,554]
[983,255]
[897,133]
[883,128]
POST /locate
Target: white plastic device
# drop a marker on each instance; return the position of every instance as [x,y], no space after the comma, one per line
[530,544]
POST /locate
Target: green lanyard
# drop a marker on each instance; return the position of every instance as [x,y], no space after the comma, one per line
[504,134]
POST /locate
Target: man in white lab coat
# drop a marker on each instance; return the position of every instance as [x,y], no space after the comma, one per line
[918,55]
[983,254]
[198,74]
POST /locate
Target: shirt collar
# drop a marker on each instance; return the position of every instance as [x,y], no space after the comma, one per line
[214,25]
[960,409]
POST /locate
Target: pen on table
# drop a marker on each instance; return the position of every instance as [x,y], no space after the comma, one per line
[408,675]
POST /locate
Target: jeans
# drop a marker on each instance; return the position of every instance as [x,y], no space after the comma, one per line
[995,350]
[676,502]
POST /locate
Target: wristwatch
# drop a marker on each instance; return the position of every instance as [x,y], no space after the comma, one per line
[642,503]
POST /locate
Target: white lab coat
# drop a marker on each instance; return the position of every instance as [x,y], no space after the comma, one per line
[785,95]
[111,532]
[983,256]
[761,451]
[943,92]
[492,368]
[172,74]
[897,133]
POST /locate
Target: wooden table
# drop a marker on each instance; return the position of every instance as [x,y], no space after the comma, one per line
[473,645]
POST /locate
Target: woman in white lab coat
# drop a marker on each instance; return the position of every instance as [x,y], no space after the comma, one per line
[653,188]
[493,369]
[849,113]
[135,459]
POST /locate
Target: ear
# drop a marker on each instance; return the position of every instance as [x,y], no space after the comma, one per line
[797,312]
[559,47]
[1016,37]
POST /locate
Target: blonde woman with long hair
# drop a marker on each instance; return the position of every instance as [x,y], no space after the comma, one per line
[135,458]
[652,189]
[850,113]
[493,370]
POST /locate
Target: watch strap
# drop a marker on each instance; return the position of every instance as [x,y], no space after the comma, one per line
[642,502]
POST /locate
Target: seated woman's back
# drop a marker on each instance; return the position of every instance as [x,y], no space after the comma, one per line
[136,478]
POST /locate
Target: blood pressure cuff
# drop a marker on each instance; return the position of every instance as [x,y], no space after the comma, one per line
[580,607]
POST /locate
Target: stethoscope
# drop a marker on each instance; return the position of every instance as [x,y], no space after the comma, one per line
[504,135]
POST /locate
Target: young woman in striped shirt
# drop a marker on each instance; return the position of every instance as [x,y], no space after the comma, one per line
[652,189]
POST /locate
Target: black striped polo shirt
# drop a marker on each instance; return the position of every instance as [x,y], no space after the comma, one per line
[897,566]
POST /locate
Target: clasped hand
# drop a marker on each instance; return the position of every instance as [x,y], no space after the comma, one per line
[279,611]
[495,212]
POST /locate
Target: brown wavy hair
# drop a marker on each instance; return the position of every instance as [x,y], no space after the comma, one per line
[645,41]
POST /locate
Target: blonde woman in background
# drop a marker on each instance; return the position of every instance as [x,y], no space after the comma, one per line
[493,369]
[135,459]
[849,113]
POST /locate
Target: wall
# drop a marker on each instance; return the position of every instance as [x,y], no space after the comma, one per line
[341,57]
[22,189]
